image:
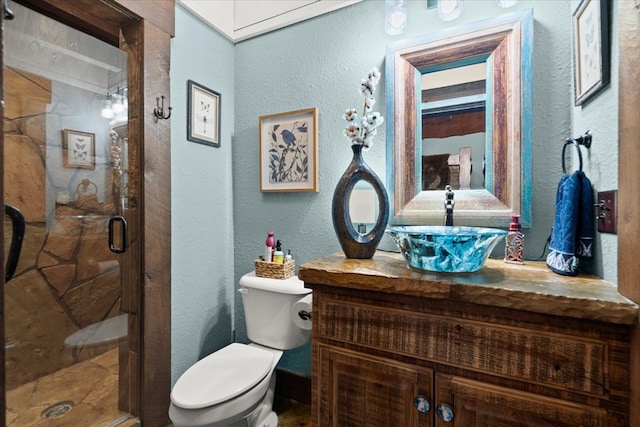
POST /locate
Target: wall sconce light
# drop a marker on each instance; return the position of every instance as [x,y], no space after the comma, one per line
[448,10]
[395,16]
[117,105]
[506,3]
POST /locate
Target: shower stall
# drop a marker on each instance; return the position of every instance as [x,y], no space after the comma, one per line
[66,172]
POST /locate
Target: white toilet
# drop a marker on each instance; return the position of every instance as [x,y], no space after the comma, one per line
[235,385]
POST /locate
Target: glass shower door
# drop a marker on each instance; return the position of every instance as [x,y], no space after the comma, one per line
[65,145]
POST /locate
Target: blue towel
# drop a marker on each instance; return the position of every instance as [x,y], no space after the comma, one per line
[572,233]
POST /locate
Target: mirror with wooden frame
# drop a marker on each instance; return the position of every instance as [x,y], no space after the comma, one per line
[502,47]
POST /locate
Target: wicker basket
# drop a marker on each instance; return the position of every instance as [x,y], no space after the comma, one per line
[275,271]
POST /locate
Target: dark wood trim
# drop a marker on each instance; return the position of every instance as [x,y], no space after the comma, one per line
[79,15]
[453,123]
[156,228]
[628,183]
[159,13]
[293,386]
[628,153]
[104,19]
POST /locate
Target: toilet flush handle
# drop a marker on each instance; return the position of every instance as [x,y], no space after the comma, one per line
[243,291]
[304,315]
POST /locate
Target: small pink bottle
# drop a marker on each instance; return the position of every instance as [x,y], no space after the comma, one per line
[514,244]
[270,246]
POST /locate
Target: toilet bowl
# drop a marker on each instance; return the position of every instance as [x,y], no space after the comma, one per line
[227,387]
[235,386]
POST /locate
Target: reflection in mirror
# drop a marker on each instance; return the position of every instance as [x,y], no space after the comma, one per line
[487,153]
[453,128]
[363,207]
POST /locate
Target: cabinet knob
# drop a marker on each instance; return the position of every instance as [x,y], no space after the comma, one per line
[445,412]
[421,403]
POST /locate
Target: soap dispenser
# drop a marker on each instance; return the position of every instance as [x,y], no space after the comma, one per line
[514,245]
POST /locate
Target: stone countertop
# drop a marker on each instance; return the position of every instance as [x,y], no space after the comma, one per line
[531,287]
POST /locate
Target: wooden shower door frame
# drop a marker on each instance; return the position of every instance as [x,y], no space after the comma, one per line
[143,29]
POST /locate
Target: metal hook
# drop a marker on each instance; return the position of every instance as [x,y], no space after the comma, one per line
[158,112]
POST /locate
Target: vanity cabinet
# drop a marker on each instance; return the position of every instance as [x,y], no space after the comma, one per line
[507,346]
[356,389]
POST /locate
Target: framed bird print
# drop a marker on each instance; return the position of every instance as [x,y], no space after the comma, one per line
[203,115]
[289,151]
[78,149]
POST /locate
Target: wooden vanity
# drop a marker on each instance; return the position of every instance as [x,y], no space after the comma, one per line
[510,345]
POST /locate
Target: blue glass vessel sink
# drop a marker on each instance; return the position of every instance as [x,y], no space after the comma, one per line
[445,249]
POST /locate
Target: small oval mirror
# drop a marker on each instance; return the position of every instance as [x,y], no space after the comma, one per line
[363,207]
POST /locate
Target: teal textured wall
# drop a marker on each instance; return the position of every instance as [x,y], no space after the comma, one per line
[600,163]
[319,63]
[202,294]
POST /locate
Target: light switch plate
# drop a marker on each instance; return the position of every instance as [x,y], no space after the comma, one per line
[607,211]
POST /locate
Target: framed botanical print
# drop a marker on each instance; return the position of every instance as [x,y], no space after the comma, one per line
[590,49]
[203,115]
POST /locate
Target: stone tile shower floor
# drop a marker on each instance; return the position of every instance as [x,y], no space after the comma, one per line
[86,395]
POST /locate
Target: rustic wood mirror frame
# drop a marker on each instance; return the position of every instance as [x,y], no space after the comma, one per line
[505,42]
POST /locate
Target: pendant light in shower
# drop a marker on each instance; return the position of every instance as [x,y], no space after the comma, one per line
[107,111]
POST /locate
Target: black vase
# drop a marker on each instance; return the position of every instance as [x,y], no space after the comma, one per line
[354,244]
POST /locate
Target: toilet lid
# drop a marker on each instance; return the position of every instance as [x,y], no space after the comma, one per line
[221,376]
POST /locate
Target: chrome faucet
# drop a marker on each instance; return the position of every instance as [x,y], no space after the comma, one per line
[448,206]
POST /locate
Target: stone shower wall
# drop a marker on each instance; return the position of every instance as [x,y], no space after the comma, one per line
[67,278]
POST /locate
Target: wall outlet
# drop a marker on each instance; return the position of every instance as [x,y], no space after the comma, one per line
[607,211]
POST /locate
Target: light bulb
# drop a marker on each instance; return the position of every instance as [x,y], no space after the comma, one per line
[107,112]
[448,10]
[395,17]
[117,106]
[506,3]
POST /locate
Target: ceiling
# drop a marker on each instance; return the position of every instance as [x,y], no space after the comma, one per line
[242,19]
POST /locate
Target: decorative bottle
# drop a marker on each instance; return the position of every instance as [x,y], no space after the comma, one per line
[514,245]
[278,255]
[270,246]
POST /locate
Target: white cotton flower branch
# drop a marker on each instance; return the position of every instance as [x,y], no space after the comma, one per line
[363,133]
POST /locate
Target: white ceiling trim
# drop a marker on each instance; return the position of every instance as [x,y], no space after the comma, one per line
[242,19]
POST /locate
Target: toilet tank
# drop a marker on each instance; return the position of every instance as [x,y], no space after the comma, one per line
[267,311]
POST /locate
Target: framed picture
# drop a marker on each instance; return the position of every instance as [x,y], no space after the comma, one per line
[590,48]
[289,151]
[78,149]
[203,115]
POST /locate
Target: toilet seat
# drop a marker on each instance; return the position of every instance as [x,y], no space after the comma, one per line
[229,372]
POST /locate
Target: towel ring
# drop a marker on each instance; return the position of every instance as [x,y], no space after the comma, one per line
[581,140]
[564,149]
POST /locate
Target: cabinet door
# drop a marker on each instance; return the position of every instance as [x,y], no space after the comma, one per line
[357,390]
[473,403]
